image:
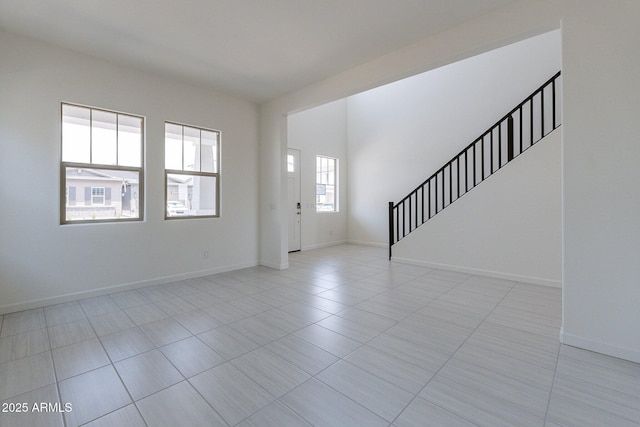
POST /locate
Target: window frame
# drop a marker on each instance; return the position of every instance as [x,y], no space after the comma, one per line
[336,207]
[64,165]
[215,175]
[103,196]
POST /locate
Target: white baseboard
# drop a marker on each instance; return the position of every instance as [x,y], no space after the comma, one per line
[495,274]
[74,296]
[363,243]
[324,245]
[282,266]
[600,347]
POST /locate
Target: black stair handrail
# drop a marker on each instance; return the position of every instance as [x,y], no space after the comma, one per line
[506,135]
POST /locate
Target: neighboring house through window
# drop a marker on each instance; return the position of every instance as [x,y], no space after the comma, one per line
[192,171]
[326,184]
[102,165]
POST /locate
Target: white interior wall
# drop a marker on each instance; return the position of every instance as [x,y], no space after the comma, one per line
[398,134]
[601,291]
[401,133]
[600,129]
[509,226]
[321,131]
[43,262]
[601,238]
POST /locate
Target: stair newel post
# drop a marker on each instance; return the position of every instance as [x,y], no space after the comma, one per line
[510,140]
[391,236]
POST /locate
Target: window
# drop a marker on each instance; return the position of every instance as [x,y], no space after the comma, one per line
[97,196]
[101,173]
[192,171]
[291,163]
[326,184]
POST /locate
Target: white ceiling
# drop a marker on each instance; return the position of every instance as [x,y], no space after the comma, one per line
[255,49]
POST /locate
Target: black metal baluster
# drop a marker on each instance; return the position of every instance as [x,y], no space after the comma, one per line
[442,188]
[409,215]
[491,145]
[391,237]
[458,172]
[429,199]
[466,171]
[423,205]
[436,195]
[542,113]
[410,197]
[450,183]
[553,101]
[404,218]
[475,160]
[398,221]
[417,220]
[416,208]
[500,146]
[521,130]
[510,138]
[530,121]
[482,159]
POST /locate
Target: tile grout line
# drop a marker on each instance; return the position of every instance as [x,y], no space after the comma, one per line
[417,395]
[114,369]
[53,364]
[252,286]
[136,326]
[156,347]
[342,359]
[553,382]
[312,376]
[225,361]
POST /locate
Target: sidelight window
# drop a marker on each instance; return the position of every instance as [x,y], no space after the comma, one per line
[326,184]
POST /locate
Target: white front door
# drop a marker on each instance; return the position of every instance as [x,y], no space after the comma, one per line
[294,207]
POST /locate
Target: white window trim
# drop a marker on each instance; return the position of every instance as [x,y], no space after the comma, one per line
[188,172]
[336,207]
[98,166]
[94,196]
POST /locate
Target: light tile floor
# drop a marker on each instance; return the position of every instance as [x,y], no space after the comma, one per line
[341,338]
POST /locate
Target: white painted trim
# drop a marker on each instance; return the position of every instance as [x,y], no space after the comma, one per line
[74,296]
[324,245]
[374,244]
[600,347]
[488,273]
[274,265]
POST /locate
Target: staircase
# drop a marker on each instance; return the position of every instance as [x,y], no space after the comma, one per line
[529,122]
